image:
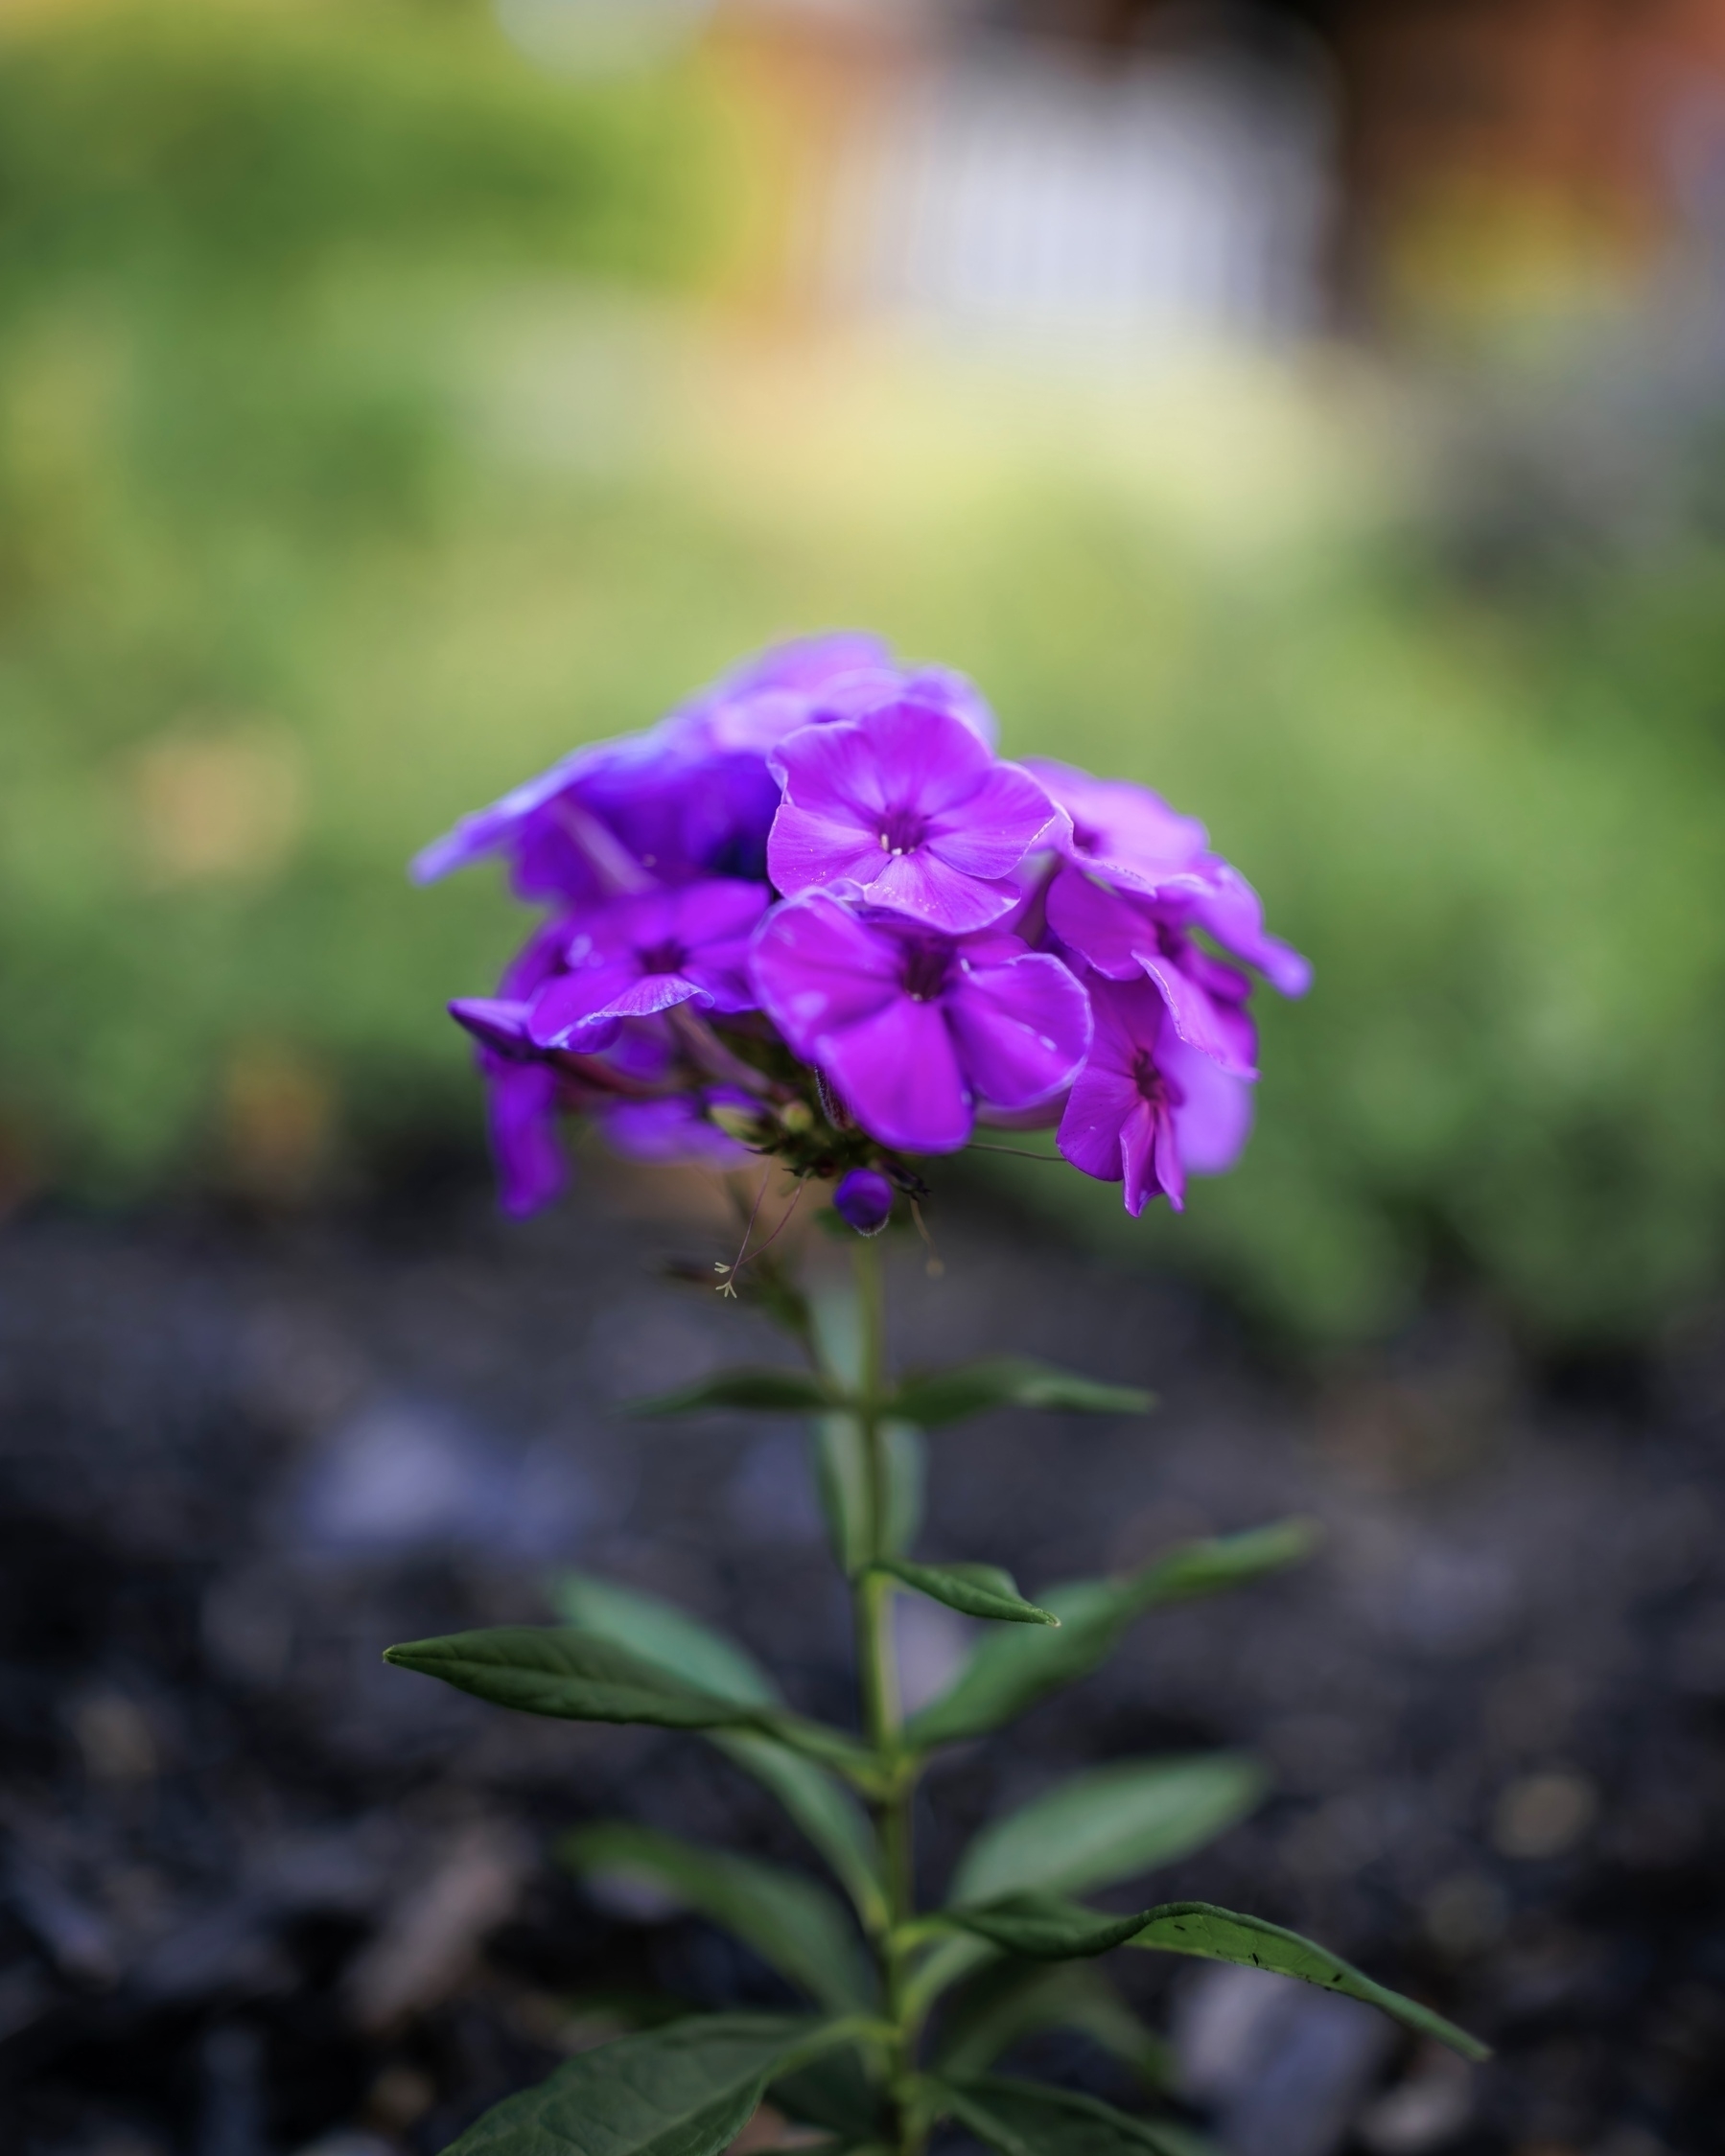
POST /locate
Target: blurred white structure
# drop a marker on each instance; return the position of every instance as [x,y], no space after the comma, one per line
[1009,192]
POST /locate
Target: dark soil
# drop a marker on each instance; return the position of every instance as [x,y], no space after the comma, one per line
[263,1891]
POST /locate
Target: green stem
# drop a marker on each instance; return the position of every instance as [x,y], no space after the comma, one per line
[878,1670]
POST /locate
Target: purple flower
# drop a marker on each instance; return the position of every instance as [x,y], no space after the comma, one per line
[692,796]
[906,809]
[522,1102]
[633,957]
[676,1131]
[1120,831]
[1125,938]
[864,1198]
[1131,838]
[1146,1109]
[913,1028]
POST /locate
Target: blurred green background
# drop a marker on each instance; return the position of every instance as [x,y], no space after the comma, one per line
[379,414]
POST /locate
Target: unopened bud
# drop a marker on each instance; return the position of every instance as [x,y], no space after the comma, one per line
[865,1199]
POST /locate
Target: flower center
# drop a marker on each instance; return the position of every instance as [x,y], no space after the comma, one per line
[902,831]
[1085,839]
[1154,1087]
[927,967]
[668,957]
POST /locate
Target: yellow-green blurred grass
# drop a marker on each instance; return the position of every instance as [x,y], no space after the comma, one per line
[310,543]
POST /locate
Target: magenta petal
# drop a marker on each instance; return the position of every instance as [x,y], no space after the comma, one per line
[1107,930]
[817,967]
[651,992]
[521,1112]
[669,1133]
[1218,1033]
[1232,911]
[578,1001]
[927,889]
[807,849]
[1214,1120]
[498,1024]
[1022,1029]
[1090,1134]
[833,771]
[898,1071]
[721,910]
[994,826]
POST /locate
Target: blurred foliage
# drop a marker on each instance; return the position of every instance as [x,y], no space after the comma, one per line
[359,450]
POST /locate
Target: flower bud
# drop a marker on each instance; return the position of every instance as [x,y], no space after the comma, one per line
[865,1199]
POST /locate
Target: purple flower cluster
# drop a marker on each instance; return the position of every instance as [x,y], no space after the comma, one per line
[812,915]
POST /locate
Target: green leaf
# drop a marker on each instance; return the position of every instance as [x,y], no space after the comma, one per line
[1014,2000]
[841,1480]
[1045,1927]
[1108,1824]
[906,1470]
[687,2090]
[579,1676]
[835,2091]
[1024,2118]
[657,1631]
[1008,1672]
[979,1591]
[791,1923]
[825,1810]
[767,1390]
[935,1396]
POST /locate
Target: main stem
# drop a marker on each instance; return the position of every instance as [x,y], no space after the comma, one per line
[878,1670]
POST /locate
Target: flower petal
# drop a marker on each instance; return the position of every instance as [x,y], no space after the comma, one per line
[1096,1111]
[570,1009]
[923,886]
[1022,1029]
[991,830]
[1214,1120]
[817,967]
[1232,911]
[1107,930]
[1223,1033]
[900,1073]
[521,1115]
[807,849]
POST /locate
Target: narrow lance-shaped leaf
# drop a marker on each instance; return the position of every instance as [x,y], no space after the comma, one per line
[1045,1927]
[1008,1672]
[1110,1824]
[978,1590]
[1024,2118]
[767,1390]
[933,1397]
[1012,2000]
[657,1631]
[578,1676]
[791,1923]
[687,2090]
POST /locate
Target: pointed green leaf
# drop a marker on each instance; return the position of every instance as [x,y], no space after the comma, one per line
[826,1813]
[791,1923]
[658,1633]
[1108,1824]
[935,1396]
[687,2090]
[1044,1927]
[579,1676]
[978,1590]
[1008,1672]
[661,1634]
[1024,2118]
[841,1480]
[1219,1935]
[543,1669]
[1014,2000]
[835,2091]
[906,1470]
[766,1390]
